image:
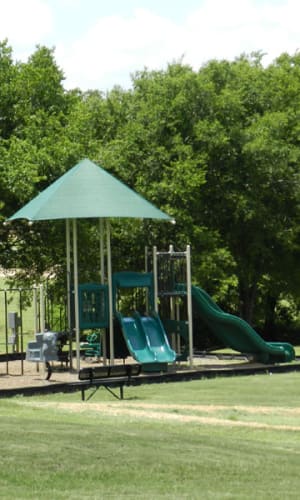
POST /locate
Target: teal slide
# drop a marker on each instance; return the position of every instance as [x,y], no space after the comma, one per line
[237,334]
[146,339]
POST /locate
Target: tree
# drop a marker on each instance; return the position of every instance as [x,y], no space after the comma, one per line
[34,150]
[8,71]
[217,149]
[250,195]
[154,151]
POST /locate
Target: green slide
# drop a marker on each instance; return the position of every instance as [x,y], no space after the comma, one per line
[237,334]
[157,338]
[136,340]
[146,339]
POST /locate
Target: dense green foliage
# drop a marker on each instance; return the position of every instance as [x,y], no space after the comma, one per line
[218,149]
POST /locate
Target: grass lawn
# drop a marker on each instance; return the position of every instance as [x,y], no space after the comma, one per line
[235,438]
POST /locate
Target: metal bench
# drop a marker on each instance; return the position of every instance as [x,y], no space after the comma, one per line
[118,375]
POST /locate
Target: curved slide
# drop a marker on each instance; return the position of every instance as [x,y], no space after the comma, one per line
[237,334]
[146,338]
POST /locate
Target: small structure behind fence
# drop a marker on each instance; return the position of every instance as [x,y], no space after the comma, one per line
[23,312]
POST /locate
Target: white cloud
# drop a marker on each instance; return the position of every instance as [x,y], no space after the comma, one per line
[227,29]
[100,50]
[25,23]
[116,46]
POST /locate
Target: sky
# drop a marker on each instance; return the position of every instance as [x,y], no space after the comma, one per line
[101,43]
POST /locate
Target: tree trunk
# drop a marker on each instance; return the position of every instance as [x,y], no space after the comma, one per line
[269,325]
[247,295]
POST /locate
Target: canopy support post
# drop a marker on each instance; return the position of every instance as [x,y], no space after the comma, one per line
[110,295]
[102,268]
[76,308]
[189,303]
[102,280]
[68,258]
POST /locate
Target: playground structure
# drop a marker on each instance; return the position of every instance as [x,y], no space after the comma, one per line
[145,335]
[153,311]
[162,331]
[136,317]
[152,317]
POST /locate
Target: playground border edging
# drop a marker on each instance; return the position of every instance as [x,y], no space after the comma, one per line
[179,376]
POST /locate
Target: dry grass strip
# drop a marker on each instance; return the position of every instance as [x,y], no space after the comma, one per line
[163,412]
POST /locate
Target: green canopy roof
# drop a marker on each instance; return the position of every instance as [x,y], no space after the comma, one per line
[85,191]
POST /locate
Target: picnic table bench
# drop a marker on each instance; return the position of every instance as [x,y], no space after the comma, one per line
[108,376]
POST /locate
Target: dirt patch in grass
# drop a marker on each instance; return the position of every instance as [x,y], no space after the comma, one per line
[201,414]
[161,412]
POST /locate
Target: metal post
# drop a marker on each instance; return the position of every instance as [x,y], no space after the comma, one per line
[36,317]
[6,329]
[155,279]
[21,332]
[146,271]
[42,309]
[102,268]
[102,278]
[189,302]
[172,307]
[172,316]
[178,341]
[35,310]
[68,258]
[110,295]
[146,259]
[76,308]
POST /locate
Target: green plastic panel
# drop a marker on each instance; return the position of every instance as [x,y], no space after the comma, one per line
[131,279]
[93,306]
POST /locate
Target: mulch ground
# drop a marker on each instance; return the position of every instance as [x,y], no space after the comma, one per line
[14,374]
